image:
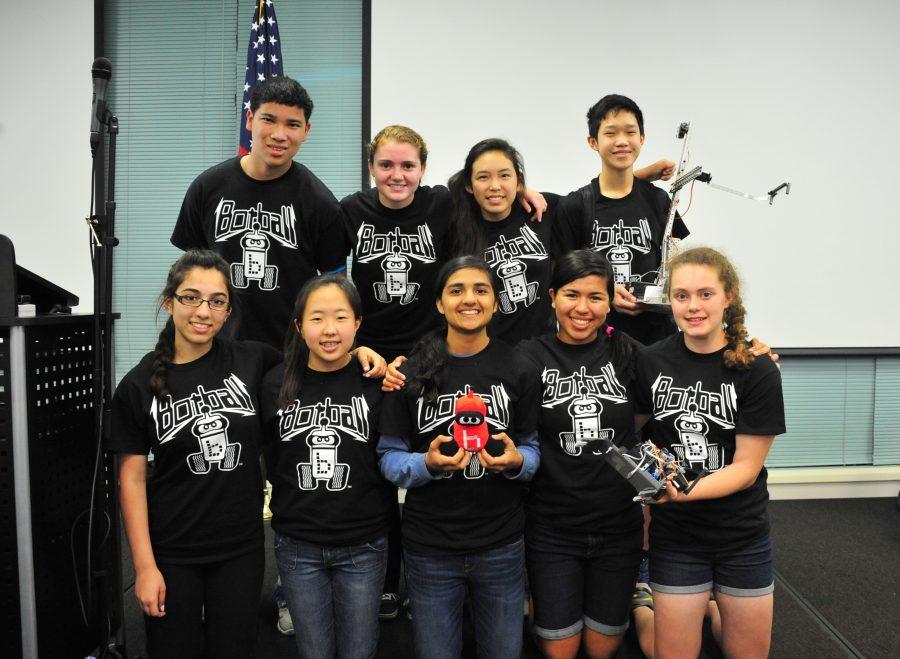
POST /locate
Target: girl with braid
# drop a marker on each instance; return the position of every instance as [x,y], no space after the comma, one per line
[717,407]
[193,521]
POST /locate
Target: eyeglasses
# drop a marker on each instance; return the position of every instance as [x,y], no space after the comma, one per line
[219,304]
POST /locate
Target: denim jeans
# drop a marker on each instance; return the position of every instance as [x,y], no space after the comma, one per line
[333,594]
[437,586]
[581,579]
[741,572]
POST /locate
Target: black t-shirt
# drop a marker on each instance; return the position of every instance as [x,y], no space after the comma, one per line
[473,510]
[583,399]
[326,487]
[204,492]
[274,234]
[698,407]
[396,256]
[629,233]
[519,252]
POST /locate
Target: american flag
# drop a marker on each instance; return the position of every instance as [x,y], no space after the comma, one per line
[263,61]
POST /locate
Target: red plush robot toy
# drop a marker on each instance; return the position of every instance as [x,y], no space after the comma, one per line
[469,427]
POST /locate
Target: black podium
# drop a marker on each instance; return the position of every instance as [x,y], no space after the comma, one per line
[53,604]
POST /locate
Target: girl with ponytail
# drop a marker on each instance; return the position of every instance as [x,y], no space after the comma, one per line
[194,526]
[463,519]
[584,532]
[717,408]
[330,505]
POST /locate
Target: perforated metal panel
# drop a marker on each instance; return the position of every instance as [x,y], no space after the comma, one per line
[47,423]
[62,445]
[9,572]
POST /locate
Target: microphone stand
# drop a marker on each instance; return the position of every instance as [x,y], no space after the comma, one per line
[104,536]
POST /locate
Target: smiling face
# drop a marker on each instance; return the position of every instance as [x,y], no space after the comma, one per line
[494,185]
[195,327]
[618,140]
[397,169]
[329,328]
[467,301]
[277,132]
[698,304]
[581,308]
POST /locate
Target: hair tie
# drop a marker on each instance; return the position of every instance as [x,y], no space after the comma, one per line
[609,330]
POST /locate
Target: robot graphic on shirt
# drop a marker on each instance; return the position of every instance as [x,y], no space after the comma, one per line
[694,448]
[254,265]
[508,258]
[397,253]
[516,288]
[323,462]
[210,429]
[621,243]
[694,412]
[396,282]
[585,412]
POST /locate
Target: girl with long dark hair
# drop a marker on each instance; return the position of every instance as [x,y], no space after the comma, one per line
[487,223]
[401,235]
[330,505]
[194,522]
[463,517]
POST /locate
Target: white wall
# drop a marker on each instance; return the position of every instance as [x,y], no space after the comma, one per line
[804,91]
[47,50]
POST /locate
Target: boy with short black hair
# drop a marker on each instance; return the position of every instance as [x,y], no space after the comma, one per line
[620,215]
[271,218]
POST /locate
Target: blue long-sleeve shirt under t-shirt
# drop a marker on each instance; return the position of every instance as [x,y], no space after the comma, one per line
[407,469]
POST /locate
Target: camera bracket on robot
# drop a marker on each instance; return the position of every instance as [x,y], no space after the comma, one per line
[651,295]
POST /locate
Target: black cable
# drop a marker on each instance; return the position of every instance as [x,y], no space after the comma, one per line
[81,602]
[91,505]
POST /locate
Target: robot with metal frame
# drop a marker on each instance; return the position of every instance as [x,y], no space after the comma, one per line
[648,468]
[651,295]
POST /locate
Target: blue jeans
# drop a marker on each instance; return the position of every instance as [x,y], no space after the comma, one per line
[333,594]
[437,589]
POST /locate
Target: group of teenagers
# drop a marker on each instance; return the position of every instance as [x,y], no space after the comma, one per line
[346,385]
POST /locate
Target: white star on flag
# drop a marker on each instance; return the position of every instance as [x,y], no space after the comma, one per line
[264,62]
